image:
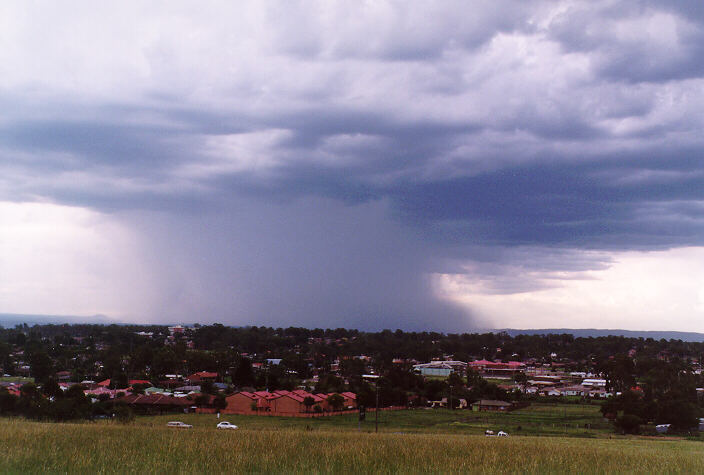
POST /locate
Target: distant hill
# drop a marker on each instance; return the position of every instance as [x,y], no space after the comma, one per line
[593,332]
[9,320]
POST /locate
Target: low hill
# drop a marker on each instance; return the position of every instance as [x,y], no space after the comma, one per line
[594,332]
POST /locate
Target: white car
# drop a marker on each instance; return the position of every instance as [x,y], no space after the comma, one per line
[502,434]
[226,425]
[178,424]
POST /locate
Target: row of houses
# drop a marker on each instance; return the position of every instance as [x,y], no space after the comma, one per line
[286,402]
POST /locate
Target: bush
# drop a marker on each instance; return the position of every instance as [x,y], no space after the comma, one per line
[123,414]
[628,424]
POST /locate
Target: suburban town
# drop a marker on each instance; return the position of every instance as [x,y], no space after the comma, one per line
[341,237]
[128,371]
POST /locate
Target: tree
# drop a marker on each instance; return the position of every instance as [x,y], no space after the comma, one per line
[8,402]
[51,389]
[165,361]
[123,413]
[201,400]
[336,402]
[243,375]
[41,366]
[455,380]
[119,380]
[628,423]
[308,402]
[207,387]
[220,402]
[139,388]
[683,415]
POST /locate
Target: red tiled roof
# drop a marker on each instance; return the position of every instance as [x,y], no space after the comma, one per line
[350,395]
[104,383]
[479,362]
[299,395]
[247,394]
[203,374]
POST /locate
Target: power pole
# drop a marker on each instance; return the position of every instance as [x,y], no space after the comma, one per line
[376,422]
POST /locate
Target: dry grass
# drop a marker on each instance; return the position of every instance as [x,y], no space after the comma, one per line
[39,447]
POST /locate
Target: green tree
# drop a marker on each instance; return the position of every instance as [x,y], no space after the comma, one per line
[51,389]
[628,423]
[243,375]
[41,366]
[308,402]
[336,402]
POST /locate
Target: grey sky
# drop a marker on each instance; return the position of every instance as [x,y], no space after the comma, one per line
[378,164]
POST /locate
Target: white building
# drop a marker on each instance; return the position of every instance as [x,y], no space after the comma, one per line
[594,383]
[440,368]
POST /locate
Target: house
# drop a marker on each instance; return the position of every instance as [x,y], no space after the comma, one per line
[498,368]
[111,393]
[283,402]
[441,403]
[156,403]
[202,376]
[292,402]
[440,368]
[491,405]
[573,390]
[242,402]
[188,389]
[63,376]
[350,400]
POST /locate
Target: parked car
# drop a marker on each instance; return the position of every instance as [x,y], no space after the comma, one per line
[503,434]
[178,424]
[226,425]
[488,433]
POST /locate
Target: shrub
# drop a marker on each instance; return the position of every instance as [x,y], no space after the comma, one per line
[628,424]
[123,414]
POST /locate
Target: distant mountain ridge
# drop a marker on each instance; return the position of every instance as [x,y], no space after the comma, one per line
[9,320]
[594,332]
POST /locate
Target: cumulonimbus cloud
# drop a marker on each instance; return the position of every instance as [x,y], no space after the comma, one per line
[466,133]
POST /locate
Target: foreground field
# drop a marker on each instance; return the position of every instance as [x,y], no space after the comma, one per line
[574,420]
[44,447]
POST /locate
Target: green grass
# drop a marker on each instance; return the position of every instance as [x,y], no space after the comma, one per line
[572,420]
[16,379]
[149,446]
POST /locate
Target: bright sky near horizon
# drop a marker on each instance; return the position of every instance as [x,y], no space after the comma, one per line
[435,165]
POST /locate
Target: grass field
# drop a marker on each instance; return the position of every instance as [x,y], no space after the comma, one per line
[149,446]
[16,379]
[572,420]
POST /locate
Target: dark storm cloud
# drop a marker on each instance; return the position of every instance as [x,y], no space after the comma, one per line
[657,48]
[317,174]
[314,262]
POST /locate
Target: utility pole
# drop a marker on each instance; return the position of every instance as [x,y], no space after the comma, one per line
[375,377]
[376,422]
